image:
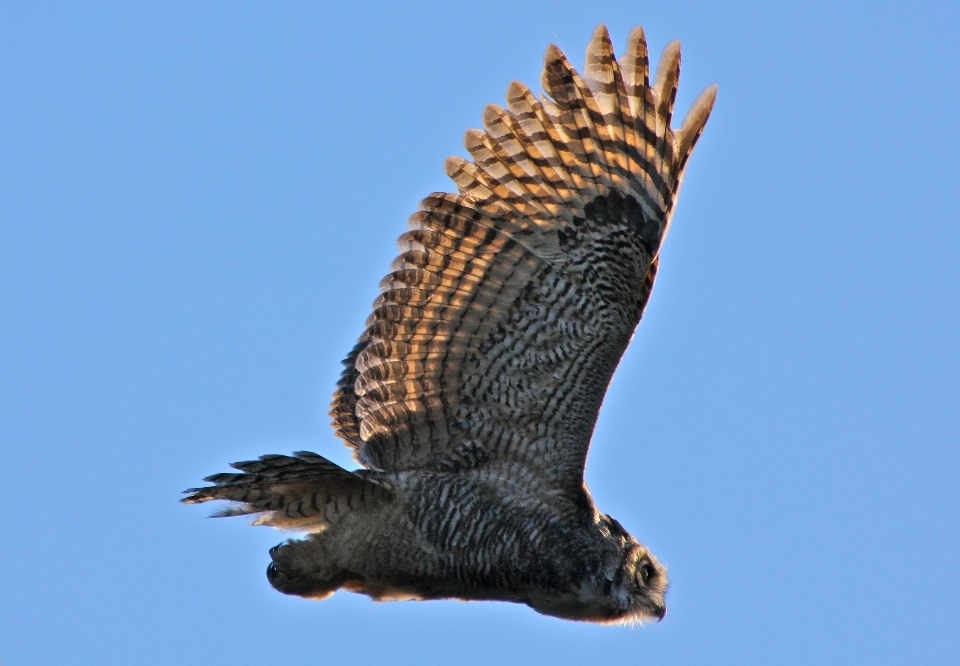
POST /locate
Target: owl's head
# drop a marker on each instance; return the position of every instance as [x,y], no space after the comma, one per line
[626,584]
[644,582]
[638,584]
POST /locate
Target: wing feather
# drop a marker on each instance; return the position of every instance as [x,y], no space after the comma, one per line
[533,138]
[511,303]
[506,141]
[602,76]
[575,109]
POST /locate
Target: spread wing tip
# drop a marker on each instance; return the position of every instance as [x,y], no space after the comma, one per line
[696,120]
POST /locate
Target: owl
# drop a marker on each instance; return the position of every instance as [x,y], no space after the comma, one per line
[470,398]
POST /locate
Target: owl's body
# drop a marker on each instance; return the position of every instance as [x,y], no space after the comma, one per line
[471,397]
[458,535]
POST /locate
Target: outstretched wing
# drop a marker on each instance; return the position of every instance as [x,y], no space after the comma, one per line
[493,340]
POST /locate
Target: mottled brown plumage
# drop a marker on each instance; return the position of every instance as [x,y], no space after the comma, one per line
[471,396]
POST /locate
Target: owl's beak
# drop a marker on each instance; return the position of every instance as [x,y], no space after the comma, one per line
[656,607]
[660,612]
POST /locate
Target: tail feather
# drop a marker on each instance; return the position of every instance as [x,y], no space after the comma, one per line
[303,491]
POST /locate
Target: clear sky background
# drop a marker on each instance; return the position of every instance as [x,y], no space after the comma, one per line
[197,201]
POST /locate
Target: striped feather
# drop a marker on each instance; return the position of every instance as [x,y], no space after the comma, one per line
[602,75]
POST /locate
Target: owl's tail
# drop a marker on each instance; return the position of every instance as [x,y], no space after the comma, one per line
[303,492]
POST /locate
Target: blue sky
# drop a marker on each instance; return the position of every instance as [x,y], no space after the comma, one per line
[198,200]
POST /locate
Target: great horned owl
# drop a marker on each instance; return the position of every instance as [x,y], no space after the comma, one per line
[471,397]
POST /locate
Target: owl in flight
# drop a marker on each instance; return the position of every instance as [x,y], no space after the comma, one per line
[471,397]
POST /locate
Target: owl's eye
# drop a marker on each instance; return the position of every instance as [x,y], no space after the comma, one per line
[645,572]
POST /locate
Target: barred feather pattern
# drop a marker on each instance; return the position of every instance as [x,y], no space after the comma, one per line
[497,332]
